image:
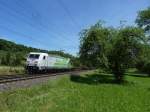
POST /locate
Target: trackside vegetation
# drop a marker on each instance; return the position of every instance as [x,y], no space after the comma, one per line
[89,92]
[9,70]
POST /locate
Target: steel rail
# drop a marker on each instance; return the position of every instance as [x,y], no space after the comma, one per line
[13,78]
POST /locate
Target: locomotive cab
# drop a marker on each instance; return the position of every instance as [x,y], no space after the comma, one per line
[36,62]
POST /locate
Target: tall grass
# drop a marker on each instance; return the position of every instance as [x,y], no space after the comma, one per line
[91,92]
[9,70]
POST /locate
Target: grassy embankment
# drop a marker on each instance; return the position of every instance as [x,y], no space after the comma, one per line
[8,70]
[91,92]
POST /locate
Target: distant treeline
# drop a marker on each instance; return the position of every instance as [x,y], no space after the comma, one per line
[12,54]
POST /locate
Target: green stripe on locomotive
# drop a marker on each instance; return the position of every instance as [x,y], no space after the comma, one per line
[61,62]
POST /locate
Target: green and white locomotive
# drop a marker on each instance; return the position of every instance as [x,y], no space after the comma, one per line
[37,62]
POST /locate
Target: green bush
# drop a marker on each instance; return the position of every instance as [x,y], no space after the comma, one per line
[146,68]
[143,66]
[140,65]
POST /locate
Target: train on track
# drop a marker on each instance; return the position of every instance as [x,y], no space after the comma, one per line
[43,62]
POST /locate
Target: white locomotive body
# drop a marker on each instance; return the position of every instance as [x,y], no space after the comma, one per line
[44,62]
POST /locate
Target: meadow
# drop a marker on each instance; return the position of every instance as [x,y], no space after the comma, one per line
[89,92]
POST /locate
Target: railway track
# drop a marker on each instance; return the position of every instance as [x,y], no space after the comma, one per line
[14,78]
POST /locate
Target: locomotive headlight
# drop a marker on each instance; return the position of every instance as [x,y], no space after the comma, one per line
[36,62]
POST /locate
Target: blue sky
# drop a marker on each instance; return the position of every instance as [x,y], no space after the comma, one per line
[55,24]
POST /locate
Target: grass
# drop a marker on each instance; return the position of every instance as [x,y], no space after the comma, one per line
[8,70]
[91,92]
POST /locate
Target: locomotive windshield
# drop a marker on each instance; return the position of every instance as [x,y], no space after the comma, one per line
[34,56]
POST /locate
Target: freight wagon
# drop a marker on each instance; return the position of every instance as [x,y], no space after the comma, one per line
[43,62]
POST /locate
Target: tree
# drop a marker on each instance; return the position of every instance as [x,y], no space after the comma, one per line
[75,62]
[114,50]
[94,45]
[143,19]
[3,59]
[125,51]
